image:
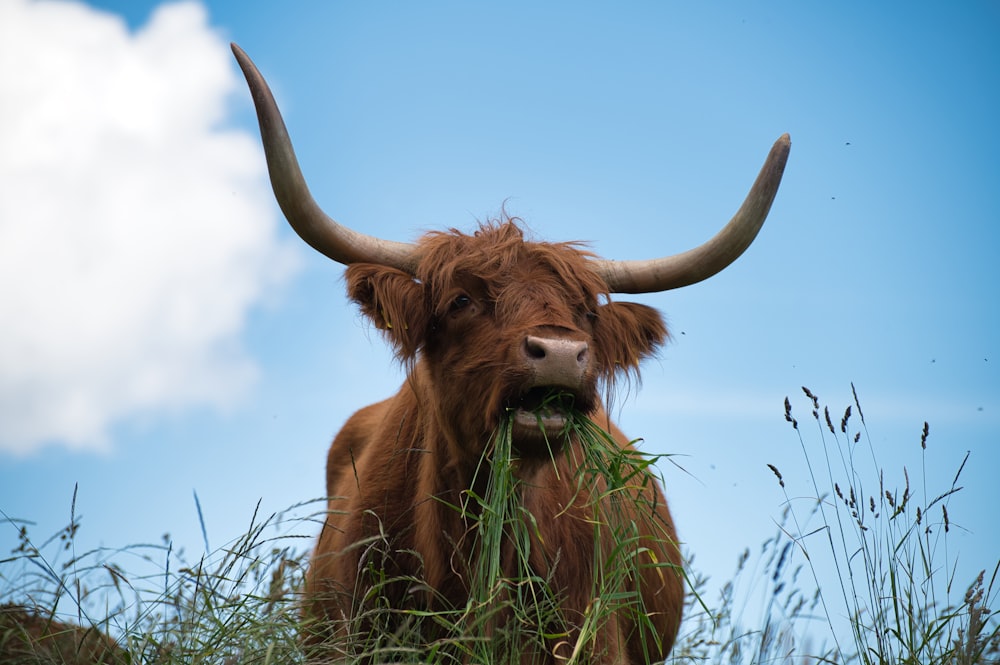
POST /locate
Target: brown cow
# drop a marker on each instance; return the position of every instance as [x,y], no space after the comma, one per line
[31,638]
[485,325]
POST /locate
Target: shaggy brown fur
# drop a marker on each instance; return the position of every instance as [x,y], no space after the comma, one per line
[30,639]
[397,468]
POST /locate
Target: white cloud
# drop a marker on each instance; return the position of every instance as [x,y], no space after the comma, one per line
[135,230]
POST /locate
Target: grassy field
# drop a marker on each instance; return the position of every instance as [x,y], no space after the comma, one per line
[883,538]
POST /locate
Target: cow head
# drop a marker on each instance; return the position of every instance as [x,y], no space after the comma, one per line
[504,324]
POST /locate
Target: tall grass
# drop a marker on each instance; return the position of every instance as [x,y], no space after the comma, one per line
[767,611]
[890,571]
[885,536]
[888,541]
[234,606]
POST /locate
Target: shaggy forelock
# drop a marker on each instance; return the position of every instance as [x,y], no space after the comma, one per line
[497,255]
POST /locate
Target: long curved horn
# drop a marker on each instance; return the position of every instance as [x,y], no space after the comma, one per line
[338,242]
[671,272]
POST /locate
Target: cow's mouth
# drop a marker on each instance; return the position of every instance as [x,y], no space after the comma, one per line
[542,414]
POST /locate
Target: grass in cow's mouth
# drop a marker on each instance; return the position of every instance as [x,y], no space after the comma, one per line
[545,400]
[527,601]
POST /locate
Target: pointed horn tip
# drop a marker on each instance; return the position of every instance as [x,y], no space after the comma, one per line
[778,155]
[242,58]
[246,63]
[784,143]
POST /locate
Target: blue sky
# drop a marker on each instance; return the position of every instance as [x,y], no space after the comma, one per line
[637,128]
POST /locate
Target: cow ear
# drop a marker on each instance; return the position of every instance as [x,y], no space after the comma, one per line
[625,333]
[394,301]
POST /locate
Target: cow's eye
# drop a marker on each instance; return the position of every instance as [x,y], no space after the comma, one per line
[460,302]
[591,316]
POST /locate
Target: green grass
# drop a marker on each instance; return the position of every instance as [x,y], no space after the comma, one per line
[233,607]
[887,539]
[880,535]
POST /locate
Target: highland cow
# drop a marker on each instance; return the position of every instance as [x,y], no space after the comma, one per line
[489,325]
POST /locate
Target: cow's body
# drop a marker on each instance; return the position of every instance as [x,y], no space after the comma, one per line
[412,498]
[29,636]
[399,469]
[489,326]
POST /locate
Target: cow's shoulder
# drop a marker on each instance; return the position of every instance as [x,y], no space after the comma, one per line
[354,442]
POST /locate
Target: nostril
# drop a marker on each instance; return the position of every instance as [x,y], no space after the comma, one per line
[534,348]
[584,355]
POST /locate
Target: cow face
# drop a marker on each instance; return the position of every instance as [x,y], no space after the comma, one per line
[500,325]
